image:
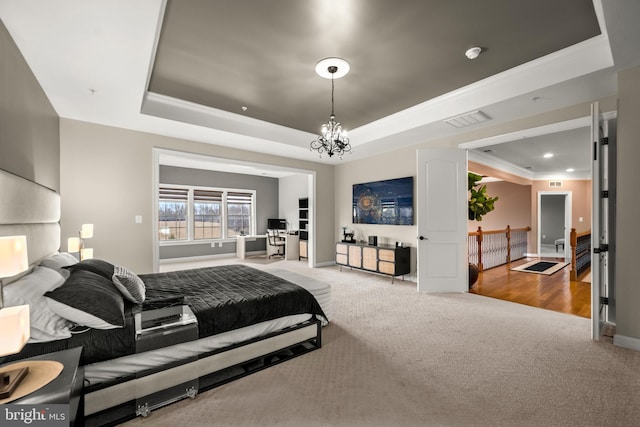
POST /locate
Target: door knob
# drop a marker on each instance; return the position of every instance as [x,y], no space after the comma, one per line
[422,238]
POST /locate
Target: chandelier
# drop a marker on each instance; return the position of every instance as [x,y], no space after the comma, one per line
[332,139]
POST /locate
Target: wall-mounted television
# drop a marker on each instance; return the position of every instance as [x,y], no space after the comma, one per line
[384,202]
[276,224]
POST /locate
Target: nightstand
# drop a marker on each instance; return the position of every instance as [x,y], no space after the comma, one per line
[66,388]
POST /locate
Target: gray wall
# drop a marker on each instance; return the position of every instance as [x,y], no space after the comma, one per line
[292,188]
[106,179]
[29,126]
[551,217]
[266,206]
[628,206]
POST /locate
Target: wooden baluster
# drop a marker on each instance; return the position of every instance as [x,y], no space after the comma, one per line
[574,243]
[479,239]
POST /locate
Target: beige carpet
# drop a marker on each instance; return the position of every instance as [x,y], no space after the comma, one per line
[394,357]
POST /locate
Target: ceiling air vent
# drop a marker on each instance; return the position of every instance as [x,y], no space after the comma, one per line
[555,184]
[467,119]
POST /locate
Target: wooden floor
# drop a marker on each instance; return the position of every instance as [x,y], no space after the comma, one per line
[555,292]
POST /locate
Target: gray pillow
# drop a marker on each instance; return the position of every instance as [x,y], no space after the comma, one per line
[94,265]
[129,284]
[88,299]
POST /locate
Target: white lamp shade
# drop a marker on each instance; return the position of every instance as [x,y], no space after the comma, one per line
[14,329]
[73,244]
[86,253]
[13,255]
[86,232]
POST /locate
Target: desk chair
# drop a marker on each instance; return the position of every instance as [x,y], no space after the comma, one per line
[277,242]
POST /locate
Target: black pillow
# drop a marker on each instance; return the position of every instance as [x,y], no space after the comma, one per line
[88,299]
[94,265]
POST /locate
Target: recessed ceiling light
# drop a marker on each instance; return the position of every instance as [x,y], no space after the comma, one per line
[473,52]
[570,169]
[548,155]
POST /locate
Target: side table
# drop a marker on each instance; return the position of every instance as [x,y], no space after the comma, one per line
[64,389]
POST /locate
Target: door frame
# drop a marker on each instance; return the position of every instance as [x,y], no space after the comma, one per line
[585,121]
[568,214]
[156,153]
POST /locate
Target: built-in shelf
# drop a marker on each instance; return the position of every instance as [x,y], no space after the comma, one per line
[303,223]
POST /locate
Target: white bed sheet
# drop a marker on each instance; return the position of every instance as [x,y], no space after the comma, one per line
[100,372]
[97,373]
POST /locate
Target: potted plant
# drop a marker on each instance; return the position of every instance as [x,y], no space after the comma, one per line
[480,204]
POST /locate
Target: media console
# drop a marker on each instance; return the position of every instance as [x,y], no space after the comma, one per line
[388,260]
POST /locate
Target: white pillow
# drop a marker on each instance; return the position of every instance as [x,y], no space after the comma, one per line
[129,284]
[45,324]
[58,261]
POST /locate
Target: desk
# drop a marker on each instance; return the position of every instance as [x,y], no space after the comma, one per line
[291,243]
[241,243]
[291,246]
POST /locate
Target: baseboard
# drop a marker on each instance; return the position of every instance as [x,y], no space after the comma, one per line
[325,264]
[196,258]
[626,342]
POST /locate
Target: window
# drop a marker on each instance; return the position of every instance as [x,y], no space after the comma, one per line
[207,214]
[172,214]
[238,213]
[197,213]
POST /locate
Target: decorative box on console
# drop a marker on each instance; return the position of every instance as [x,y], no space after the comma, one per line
[159,328]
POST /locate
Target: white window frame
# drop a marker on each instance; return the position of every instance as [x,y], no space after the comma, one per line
[224,213]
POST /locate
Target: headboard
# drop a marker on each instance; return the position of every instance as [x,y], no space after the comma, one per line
[30,209]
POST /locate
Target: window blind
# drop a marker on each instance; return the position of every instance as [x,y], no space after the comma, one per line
[239,198]
[209,196]
[177,194]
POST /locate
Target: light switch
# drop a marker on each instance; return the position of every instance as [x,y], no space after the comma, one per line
[138,219]
[580,219]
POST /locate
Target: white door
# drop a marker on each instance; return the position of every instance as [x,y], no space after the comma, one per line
[600,235]
[442,220]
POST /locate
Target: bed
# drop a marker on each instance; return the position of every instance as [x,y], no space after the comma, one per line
[234,320]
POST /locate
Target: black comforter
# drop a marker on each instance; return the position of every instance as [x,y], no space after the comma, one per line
[232,296]
[222,298]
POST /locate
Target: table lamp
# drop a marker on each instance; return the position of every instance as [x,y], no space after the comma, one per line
[14,321]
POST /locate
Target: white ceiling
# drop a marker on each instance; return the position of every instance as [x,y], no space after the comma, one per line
[94,60]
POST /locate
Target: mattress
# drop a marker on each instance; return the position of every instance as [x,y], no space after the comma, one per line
[108,370]
[320,290]
[229,297]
